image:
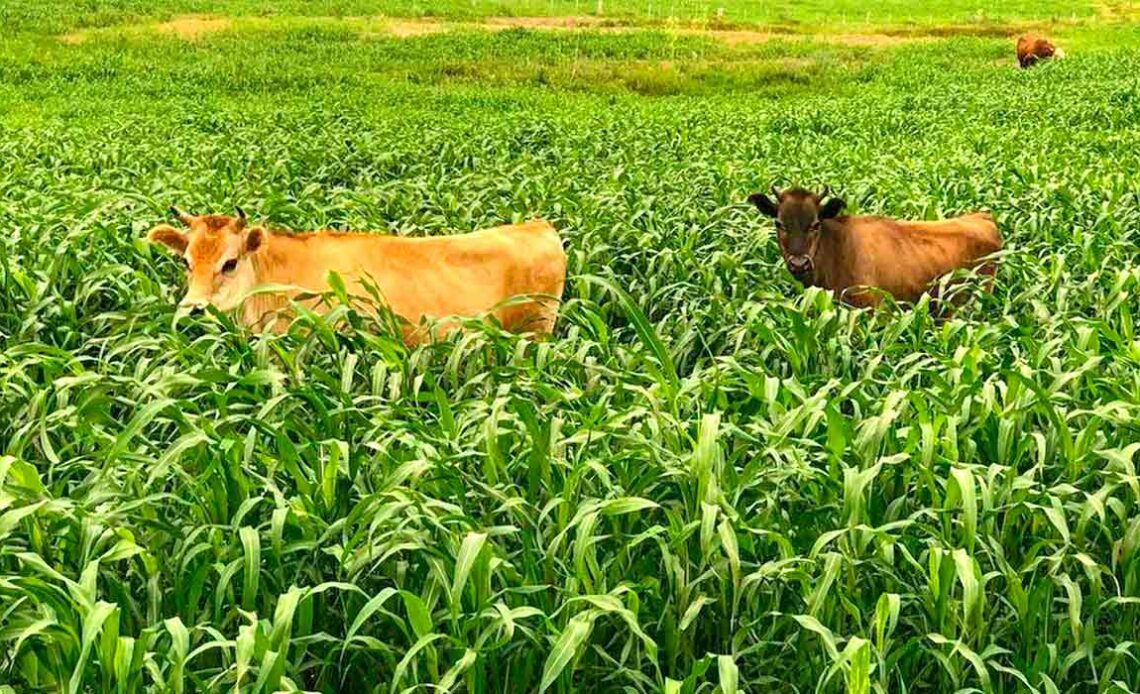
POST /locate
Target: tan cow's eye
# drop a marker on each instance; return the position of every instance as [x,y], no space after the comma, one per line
[229,266]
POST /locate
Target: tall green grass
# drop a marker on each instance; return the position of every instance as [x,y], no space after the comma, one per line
[711,480]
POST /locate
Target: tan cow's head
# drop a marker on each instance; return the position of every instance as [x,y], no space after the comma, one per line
[218,252]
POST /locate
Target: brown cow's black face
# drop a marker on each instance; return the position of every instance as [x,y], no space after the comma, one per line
[799,216]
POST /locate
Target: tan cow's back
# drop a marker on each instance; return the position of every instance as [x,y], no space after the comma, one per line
[463,275]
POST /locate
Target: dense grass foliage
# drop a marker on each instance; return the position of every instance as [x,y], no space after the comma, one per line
[709,481]
[59,15]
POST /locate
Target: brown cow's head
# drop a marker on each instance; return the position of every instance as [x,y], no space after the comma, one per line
[217,252]
[799,216]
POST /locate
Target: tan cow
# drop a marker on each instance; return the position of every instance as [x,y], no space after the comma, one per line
[854,256]
[465,275]
[1032,49]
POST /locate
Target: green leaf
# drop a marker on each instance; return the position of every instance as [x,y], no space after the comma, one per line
[418,614]
[628,504]
[92,626]
[402,667]
[812,624]
[1056,515]
[693,610]
[966,652]
[731,550]
[368,610]
[251,544]
[468,552]
[179,649]
[858,652]
[729,674]
[665,370]
[449,678]
[964,483]
[886,618]
[10,519]
[972,598]
[576,633]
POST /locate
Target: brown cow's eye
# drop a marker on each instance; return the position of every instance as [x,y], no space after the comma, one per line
[229,266]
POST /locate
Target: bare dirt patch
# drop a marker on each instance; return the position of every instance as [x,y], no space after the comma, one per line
[1117,11]
[874,39]
[187,28]
[736,37]
[409,29]
[401,29]
[194,27]
[732,37]
[571,22]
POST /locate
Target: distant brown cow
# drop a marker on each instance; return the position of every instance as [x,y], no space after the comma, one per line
[1032,48]
[464,275]
[854,256]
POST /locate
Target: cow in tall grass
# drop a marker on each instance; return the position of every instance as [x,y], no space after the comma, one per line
[861,258]
[514,273]
[1032,49]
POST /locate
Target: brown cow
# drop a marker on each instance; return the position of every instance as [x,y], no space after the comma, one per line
[854,256]
[1032,48]
[465,275]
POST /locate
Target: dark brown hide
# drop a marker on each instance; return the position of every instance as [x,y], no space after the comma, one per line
[860,254]
[860,258]
[1032,48]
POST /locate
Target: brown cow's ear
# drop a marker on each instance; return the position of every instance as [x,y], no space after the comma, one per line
[764,204]
[832,208]
[254,240]
[170,237]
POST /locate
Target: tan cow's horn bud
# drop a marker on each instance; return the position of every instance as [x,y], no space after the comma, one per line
[241,218]
[180,215]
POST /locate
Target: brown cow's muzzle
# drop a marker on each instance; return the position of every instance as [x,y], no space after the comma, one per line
[799,265]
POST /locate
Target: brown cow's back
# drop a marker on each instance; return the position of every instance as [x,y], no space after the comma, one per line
[900,257]
[433,277]
[1032,48]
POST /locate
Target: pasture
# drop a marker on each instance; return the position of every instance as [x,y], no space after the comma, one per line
[710,480]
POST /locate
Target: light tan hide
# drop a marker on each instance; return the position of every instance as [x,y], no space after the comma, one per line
[465,275]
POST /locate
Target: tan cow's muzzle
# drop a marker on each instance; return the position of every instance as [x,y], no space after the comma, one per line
[192,306]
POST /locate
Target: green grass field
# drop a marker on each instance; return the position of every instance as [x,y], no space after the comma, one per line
[38,17]
[710,481]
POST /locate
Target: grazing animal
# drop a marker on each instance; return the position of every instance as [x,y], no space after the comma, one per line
[854,256]
[466,275]
[1032,49]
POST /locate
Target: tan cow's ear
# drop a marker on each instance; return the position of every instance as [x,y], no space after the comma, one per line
[170,237]
[254,240]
